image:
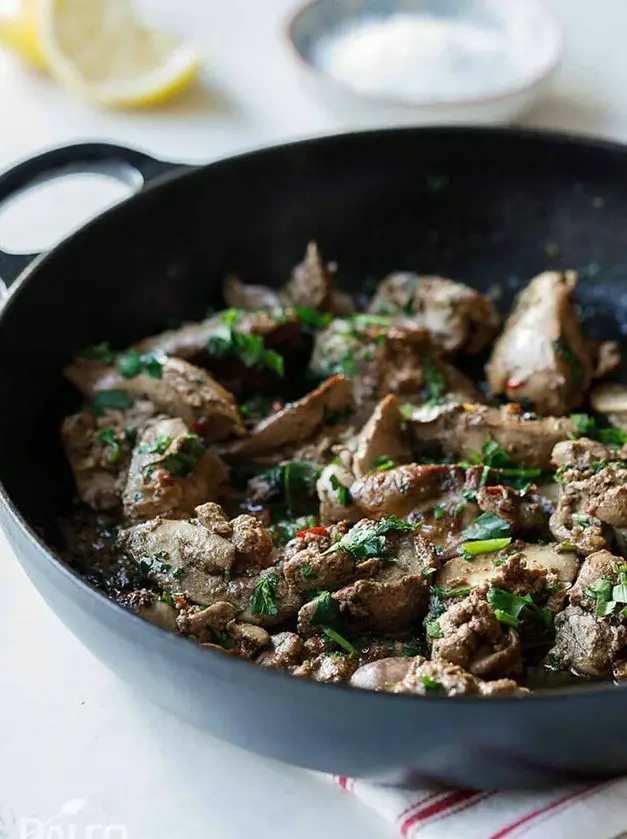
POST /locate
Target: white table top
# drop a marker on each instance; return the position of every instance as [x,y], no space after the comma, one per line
[70,733]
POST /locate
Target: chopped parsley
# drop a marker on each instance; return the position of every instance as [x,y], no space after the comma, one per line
[223,639]
[132,364]
[250,349]
[412,648]
[335,638]
[312,317]
[345,365]
[342,492]
[108,437]
[433,629]
[181,462]
[257,407]
[444,593]
[431,684]
[364,542]
[435,382]
[263,595]
[487,526]
[307,572]
[586,426]
[287,480]
[493,457]
[160,564]
[485,546]
[438,512]
[383,463]
[365,319]
[607,595]
[581,520]
[508,608]
[327,609]
[110,399]
[564,352]
[613,437]
[160,445]
[98,352]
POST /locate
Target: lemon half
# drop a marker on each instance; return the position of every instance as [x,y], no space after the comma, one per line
[103,52]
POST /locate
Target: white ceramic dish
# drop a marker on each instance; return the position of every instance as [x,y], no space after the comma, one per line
[530,40]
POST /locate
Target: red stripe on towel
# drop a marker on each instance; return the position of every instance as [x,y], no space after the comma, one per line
[510,828]
[449,800]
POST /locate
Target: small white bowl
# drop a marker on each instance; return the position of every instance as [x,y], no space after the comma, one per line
[530,42]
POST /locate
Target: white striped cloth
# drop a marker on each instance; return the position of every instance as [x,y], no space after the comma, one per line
[585,811]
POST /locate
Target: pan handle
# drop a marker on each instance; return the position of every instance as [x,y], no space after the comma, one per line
[132,167]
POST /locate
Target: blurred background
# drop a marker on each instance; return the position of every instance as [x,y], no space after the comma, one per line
[251,92]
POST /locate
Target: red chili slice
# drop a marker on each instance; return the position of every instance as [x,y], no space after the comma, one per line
[319,531]
[199,427]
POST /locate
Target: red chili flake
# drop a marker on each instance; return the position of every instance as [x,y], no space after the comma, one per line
[319,531]
[180,601]
[200,427]
[167,479]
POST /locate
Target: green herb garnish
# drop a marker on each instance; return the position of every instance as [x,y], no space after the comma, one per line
[285,531]
[327,609]
[613,437]
[181,462]
[436,384]
[160,564]
[335,637]
[564,352]
[132,364]
[159,446]
[312,317]
[250,349]
[485,546]
[383,463]
[431,684]
[346,365]
[607,595]
[363,542]
[98,352]
[508,608]
[454,592]
[110,400]
[342,492]
[307,572]
[263,595]
[286,480]
[223,640]
[584,424]
[487,526]
[433,629]
[581,520]
[108,437]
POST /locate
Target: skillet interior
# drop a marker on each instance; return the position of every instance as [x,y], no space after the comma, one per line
[483,206]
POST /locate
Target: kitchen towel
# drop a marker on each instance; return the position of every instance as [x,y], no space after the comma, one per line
[585,811]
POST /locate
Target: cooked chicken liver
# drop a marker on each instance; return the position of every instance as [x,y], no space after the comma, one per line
[326,491]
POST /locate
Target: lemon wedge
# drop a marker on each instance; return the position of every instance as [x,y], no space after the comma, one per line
[19,32]
[100,50]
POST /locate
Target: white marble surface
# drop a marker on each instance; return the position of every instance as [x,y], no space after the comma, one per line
[70,734]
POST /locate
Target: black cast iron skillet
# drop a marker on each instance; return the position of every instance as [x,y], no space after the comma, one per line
[483,205]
